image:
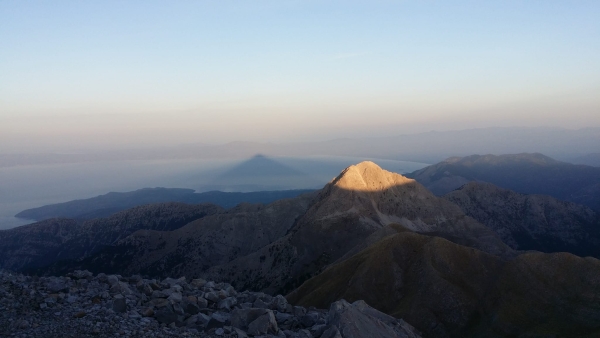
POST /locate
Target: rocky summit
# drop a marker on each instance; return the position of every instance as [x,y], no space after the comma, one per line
[81,304]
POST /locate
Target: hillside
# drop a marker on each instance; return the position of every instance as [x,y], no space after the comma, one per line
[531,222]
[523,173]
[199,245]
[39,244]
[448,290]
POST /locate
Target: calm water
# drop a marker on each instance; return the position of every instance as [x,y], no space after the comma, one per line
[32,186]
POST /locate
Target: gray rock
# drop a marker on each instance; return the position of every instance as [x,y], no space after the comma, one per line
[279,303]
[309,319]
[212,296]
[246,305]
[81,274]
[304,333]
[203,319]
[147,312]
[112,280]
[259,303]
[198,283]
[202,303]
[120,287]
[240,333]
[178,309]
[56,285]
[159,302]
[332,332]
[191,308]
[241,318]
[283,317]
[317,330]
[166,315]
[158,294]
[227,303]
[218,319]
[299,311]
[357,319]
[175,297]
[119,304]
[87,308]
[263,325]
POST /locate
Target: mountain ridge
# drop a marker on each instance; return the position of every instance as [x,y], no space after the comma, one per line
[524,173]
[112,202]
[531,222]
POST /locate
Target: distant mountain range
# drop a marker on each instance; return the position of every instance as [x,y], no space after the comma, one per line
[523,173]
[589,159]
[427,147]
[458,265]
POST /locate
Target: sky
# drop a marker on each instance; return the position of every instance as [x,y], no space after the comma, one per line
[106,74]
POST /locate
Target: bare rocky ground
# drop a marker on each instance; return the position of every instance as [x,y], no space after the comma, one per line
[83,305]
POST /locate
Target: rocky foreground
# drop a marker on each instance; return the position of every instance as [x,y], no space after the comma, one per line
[83,305]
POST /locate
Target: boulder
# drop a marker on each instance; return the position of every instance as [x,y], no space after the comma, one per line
[279,303]
[218,319]
[360,320]
[112,280]
[309,319]
[119,304]
[241,318]
[81,274]
[212,296]
[166,315]
[227,303]
[56,285]
[332,332]
[198,283]
[264,324]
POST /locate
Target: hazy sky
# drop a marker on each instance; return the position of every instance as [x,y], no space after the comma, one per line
[82,73]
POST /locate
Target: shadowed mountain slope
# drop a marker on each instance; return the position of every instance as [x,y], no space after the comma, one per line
[39,244]
[448,290]
[531,222]
[523,173]
[108,204]
[192,249]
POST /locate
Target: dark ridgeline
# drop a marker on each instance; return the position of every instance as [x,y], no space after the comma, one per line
[523,173]
[108,204]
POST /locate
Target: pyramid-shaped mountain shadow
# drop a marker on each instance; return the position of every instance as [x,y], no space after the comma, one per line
[259,166]
[261,173]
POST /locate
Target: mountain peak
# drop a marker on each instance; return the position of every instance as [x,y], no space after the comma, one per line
[368,176]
